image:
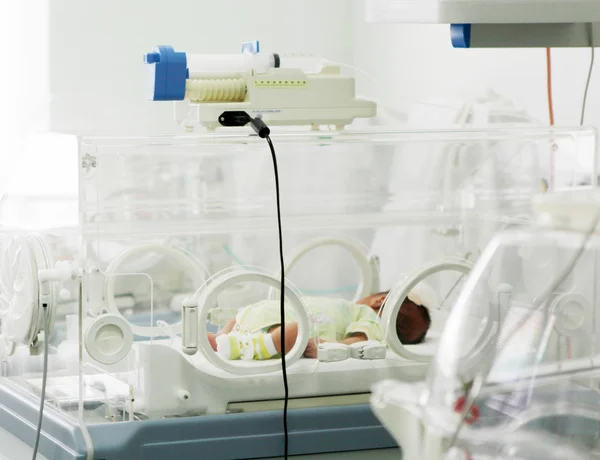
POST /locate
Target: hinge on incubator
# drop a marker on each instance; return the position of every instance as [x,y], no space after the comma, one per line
[168,330]
[62,271]
[375,264]
[94,291]
[88,162]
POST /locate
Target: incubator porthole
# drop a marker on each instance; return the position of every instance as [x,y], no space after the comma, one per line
[318,259]
[207,299]
[415,288]
[183,263]
[22,291]
[108,339]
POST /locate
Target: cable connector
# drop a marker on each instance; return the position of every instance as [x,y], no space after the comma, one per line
[241,118]
[260,127]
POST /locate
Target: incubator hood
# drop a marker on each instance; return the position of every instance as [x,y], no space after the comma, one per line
[153,221]
[520,351]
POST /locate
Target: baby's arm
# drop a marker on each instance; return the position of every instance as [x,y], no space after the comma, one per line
[363,326]
[354,338]
[228,327]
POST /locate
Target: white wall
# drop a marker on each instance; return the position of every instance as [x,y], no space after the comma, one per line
[418,61]
[76,67]
[96,49]
[23,79]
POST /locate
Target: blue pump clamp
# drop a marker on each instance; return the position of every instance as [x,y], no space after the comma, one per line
[167,73]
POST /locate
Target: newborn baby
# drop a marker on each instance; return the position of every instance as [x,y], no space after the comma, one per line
[334,320]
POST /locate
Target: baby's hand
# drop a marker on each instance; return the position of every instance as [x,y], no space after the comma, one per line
[312,348]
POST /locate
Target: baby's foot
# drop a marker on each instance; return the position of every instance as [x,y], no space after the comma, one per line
[247,347]
[212,339]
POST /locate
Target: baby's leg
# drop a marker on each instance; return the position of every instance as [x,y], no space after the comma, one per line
[212,338]
[262,346]
[291,334]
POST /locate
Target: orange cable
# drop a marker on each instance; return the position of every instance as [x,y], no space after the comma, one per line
[549,86]
[550,113]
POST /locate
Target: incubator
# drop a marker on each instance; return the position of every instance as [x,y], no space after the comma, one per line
[519,354]
[160,221]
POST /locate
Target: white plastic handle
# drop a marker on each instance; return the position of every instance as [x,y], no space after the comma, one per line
[185,262]
[208,297]
[394,303]
[355,250]
[189,327]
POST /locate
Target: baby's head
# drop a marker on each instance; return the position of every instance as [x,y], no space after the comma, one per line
[413,319]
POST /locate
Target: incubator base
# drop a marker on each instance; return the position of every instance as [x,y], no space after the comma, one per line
[169,383]
[312,432]
[211,389]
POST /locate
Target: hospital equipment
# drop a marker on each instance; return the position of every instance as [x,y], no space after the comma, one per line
[224,90]
[161,219]
[499,24]
[519,353]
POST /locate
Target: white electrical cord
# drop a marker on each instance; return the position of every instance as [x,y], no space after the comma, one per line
[44,381]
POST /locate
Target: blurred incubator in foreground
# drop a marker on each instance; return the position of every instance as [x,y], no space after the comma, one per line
[520,351]
[159,220]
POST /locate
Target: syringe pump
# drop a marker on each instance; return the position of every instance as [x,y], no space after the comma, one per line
[209,90]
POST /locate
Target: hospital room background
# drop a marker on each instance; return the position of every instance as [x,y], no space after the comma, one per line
[69,75]
[73,67]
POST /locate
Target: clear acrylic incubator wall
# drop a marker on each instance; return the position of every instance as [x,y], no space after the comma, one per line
[521,344]
[159,242]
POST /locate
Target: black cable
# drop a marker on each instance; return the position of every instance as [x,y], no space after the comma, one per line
[263,131]
[44,379]
[282,300]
